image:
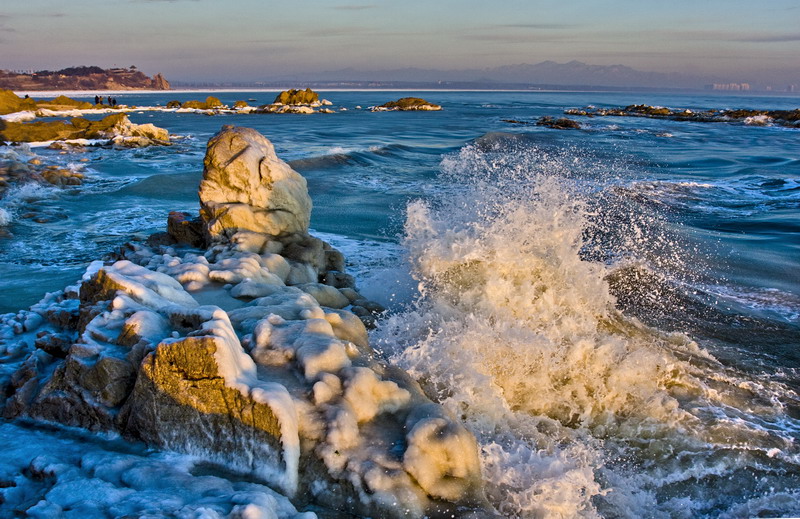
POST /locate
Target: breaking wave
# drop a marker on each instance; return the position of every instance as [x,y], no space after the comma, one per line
[578,408]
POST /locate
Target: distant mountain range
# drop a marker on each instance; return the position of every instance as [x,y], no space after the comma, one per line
[544,74]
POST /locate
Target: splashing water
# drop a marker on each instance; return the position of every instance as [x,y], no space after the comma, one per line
[579,410]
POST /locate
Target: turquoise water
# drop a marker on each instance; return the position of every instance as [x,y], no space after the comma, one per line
[656,243]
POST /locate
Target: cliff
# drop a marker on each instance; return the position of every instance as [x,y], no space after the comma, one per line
[83,78]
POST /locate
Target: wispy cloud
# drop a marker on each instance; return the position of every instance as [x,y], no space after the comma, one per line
[538,26]
[769,38]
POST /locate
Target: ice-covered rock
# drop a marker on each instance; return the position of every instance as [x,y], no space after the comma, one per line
[247,187]
[217,355]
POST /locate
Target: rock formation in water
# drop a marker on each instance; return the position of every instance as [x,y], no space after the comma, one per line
[295,101]
[561,123]
[407,104]
[210,103]
[789,118]
[246,352]
[83,78]
[116,129]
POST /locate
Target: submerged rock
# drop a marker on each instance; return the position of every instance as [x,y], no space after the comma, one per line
[238,355]
[407,104]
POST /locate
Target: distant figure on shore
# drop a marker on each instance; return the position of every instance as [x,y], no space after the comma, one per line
[114,101]
[98,100]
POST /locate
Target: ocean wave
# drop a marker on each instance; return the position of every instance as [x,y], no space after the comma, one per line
[579,410]
[728,198]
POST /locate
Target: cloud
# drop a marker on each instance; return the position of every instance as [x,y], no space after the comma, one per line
[542,26]
[768,38]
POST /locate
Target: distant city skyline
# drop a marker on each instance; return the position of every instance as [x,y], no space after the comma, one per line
[253,40]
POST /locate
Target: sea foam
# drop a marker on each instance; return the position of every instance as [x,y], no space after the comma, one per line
[579,409]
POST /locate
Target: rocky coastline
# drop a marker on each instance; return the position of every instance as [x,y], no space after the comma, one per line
[238,337]
[83,78]
[788,118]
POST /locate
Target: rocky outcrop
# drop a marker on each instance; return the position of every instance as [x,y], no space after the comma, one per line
[11,103]
[295,101]
[561,123]
[115,129]
[160,82]
[83,78]
[789,118]
[297,97]
[64,103]
[407,104]
[210,103]
[246,187]
[239,355]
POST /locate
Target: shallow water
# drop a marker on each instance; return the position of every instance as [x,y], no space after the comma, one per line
[614,311]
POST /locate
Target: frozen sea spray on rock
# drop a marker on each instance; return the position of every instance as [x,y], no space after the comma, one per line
[246,187]
[238,355]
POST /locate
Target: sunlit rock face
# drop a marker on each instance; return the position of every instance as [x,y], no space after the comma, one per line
[246,187]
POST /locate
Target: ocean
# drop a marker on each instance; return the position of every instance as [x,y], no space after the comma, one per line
[614,312]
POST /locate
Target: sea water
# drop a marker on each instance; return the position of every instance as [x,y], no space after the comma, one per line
[614,312]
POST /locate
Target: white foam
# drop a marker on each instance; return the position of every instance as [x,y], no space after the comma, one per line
[519,336]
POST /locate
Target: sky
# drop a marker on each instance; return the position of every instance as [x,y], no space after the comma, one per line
[262,40]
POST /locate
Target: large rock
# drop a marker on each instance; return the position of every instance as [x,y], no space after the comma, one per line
[246,187]
[297,97]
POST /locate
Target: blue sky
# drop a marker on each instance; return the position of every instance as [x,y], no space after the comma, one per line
[262,39]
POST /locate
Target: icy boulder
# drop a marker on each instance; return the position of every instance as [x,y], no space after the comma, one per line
[246,187]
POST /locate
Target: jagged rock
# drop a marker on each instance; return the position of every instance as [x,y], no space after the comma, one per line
[185,229]
[246,186]
[183,401]
[160,82]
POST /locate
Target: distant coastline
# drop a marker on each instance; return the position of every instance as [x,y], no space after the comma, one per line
[81,79]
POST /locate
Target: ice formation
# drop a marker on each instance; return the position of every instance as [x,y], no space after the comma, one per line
[237,354]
